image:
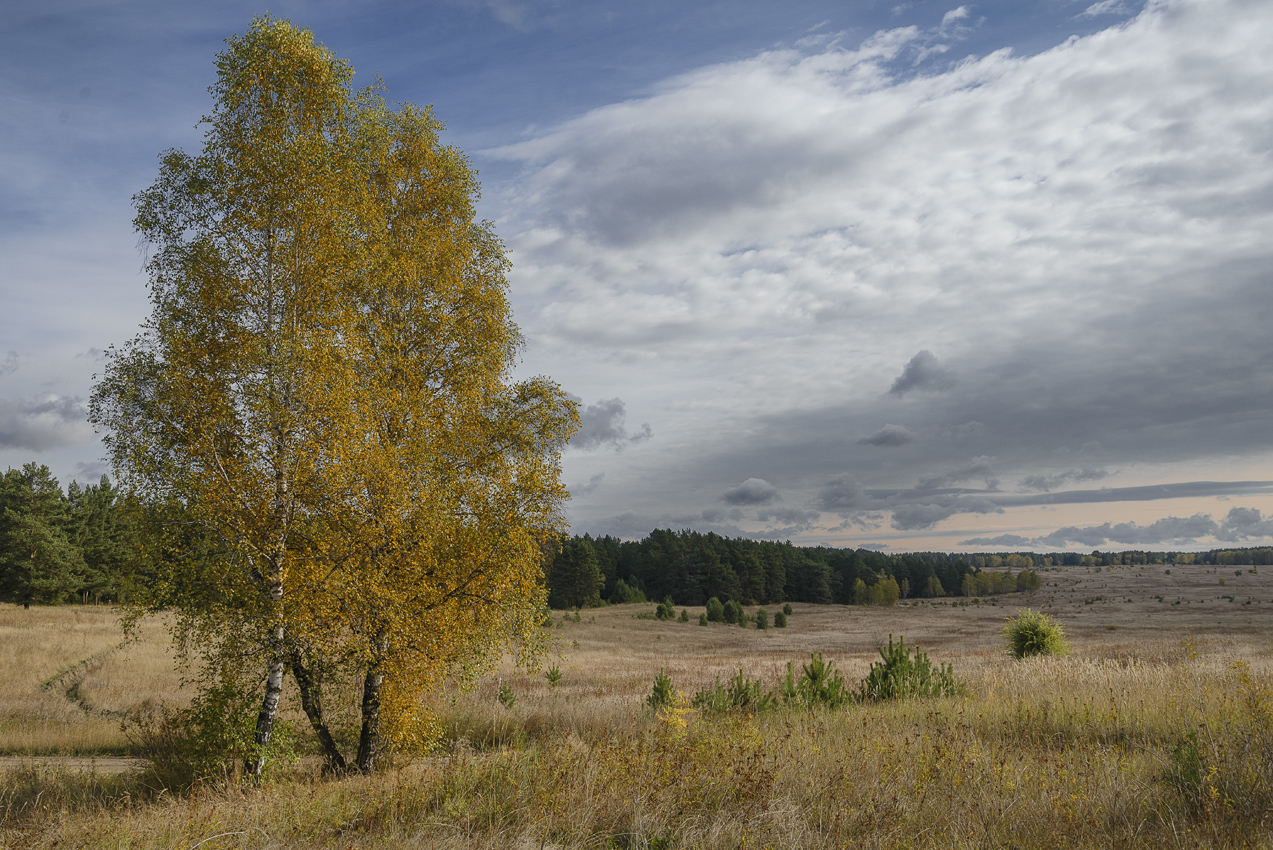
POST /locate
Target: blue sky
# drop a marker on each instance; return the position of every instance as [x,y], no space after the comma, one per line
[917,275]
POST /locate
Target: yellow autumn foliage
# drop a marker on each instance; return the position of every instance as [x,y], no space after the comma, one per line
[323,389]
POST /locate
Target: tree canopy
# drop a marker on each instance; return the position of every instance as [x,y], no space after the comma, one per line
[323,390]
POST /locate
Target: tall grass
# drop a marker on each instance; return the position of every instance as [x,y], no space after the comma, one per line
[1072,752]
[1129,742]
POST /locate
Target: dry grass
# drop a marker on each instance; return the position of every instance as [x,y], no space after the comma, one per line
[68,678]
[1079,751]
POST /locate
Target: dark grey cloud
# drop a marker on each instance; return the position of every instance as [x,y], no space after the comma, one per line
[922,373]
[716,515]
[1239,525]
[1047,483]
[593,483]
[38,426]
[1244,524]
[844,495]
[911,509]
[1146,493]
[921,515]
[753,491]
[1003,541]
[978,467]
[925,513]
[889,436]
[1168,530]
[10,364]
[790,516]
[91,472]
[601,424]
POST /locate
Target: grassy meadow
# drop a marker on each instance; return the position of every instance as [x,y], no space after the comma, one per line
[1157,730]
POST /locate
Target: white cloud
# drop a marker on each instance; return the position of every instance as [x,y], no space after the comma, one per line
[750,252]
[954,16]
[1105,7]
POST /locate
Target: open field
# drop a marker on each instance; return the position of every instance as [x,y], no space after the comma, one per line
[1147,735]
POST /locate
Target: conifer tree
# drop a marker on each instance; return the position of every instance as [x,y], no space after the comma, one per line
[40,562]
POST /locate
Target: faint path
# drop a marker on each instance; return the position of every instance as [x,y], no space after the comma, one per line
[71,678]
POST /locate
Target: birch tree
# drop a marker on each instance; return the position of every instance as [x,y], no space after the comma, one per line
[324,385]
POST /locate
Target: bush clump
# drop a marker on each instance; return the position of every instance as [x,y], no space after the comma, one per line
[780,620]
[1034,633]
[715,611]
[900,675]
[734,612]
[210,741]
[820,685]
[661,694]
[740,695]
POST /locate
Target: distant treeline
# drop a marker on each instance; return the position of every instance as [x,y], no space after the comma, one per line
[77,545]
[56,546]
[690,568]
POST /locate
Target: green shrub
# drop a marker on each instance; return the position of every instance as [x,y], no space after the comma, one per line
[507,698]
[624,593]
[702,619]
[715,610]
[733,612]
[662,694]
[820,685]
[762,619]
[740,695]
[685,616]
[780,620]
[208,742]
[1034,633]
[664,612]
[899,675]
[553,675]
[786,609]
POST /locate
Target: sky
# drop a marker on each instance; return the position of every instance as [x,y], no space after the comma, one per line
[903,275]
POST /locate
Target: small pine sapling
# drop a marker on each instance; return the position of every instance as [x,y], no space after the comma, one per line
[899,675]
[820,685]
[662,693]
[507,698]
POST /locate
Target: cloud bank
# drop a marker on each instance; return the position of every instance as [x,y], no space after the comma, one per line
[751,250]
